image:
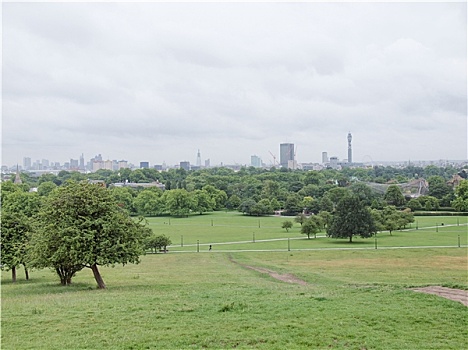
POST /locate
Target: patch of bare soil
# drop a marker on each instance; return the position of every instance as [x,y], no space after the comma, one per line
[287,277]
[459,295]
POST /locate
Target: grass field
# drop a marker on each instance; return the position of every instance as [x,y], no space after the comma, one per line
[353,299]
[233,231]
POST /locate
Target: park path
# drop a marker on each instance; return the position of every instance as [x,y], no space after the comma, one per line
[287,277]
[444,292]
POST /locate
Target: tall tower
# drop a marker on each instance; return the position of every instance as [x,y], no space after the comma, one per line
[198,159]
[286,154]
[350,151]
[18,180]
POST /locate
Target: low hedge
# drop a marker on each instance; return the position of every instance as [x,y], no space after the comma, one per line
[440,213]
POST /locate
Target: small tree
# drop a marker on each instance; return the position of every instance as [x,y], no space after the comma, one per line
[311,227]
[156,243]
[81,225]
[300,218]
[326,218]
[287,225]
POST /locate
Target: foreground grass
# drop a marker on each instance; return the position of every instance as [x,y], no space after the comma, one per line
[353,300]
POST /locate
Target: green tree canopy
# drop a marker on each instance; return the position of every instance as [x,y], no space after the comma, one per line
[81,225]
[461,196]
[351,218]
[178,202]
[287,224]
[394,196]
[311,226]
[438,187]
[202,201]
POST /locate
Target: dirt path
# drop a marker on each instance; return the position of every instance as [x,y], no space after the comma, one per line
[444,292]
[287,277]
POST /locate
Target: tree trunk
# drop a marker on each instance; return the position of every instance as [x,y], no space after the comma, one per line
[13,274]
[26,272]
[97,277]
[350,238]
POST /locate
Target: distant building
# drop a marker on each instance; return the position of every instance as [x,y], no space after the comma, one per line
[286,154]
[350,151]
[207,163]
[140,184]
[144,165]
[74,164]
[158,167]
[108,165]
[255,161]
[26,163]
[185,165]
[122,164]
[334,162]
[82,162]
[324,157]
[198,159]
[18,180]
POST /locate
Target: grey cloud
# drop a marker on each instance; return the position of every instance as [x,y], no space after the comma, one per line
[180,76]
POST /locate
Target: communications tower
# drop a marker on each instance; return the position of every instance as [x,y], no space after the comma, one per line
[198,158]
[350,151]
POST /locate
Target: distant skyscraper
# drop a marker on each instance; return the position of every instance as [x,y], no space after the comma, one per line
[82,163]
[185,165]
[198,159]
[122,164]
[74,164]
[26,163]
[324,157]
[255,161]
[207,163]
[144,165]
[350,151]
[286,154]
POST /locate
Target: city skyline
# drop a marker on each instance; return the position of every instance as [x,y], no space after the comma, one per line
[158,81]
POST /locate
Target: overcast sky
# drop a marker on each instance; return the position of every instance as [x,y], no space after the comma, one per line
[158,81]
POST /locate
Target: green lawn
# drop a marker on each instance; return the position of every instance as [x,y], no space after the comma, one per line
[354,299]
[234,231]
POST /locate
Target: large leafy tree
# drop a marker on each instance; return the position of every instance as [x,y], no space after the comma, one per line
[394,196]
[461,197]
[178,202]
[18,210]
[148,202]
[16,228]
[351,218]
[81,225]
[202,201]
[438,187]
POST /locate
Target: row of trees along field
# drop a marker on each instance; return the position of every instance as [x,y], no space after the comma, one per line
[260,192]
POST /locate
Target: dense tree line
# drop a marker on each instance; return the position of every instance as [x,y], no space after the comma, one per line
[256,191]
